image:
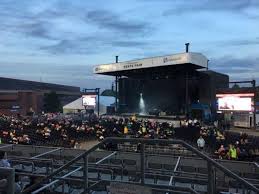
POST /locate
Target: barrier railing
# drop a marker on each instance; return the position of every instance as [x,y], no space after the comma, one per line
[212,165]
[7,180]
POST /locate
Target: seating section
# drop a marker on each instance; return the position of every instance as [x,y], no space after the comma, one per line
[160,169]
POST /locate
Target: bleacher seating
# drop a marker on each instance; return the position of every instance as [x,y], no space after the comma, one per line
[184,170]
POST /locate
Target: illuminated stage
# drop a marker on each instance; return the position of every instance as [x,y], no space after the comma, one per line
[148,116]
[167,84]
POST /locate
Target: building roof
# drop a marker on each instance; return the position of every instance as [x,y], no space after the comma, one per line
[10,84]
[189,60]
[76,105]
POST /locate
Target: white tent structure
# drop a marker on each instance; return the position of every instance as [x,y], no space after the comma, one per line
[75,106]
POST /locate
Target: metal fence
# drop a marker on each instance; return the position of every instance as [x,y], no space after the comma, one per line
[214,168]
[7,185]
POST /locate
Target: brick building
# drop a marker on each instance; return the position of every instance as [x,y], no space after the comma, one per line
[21,96]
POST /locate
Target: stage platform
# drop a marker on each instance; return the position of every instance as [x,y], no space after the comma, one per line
[175,120]
[250,132]
[148,116]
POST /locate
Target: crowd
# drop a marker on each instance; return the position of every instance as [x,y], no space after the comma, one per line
[228,145]
[50,130]
[56,130]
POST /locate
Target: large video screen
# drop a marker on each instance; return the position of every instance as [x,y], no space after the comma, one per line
[89,100]
[235,102]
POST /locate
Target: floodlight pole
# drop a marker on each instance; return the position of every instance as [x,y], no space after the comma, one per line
[187,85]
[186,94]
[116,87]
[98,104]
[254,88]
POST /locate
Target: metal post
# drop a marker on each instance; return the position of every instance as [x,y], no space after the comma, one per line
[98,104]
[186,94]
[211,179]
[142,161]
[187,47]
[116,94]
[85,174]
[116,88]
[254,113]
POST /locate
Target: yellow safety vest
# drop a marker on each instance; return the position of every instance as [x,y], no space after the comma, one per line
[233,153]
[126,130]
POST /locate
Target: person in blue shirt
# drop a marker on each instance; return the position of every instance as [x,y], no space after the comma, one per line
[3,161]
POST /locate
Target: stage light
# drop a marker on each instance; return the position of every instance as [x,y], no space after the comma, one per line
[142,105]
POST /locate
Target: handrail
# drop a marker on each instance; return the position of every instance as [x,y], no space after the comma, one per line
[143,141]
[200,154]
[60,169]
[177,163]
[6,146]
[175,168]
[30,159]
[105,158]
[53,182]
[45,153]
[154,186]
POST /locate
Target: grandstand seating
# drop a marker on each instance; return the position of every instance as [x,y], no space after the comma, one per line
[165,168]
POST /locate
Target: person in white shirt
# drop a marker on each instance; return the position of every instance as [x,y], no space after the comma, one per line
[201,143]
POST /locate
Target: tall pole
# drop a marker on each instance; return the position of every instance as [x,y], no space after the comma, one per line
[186,94]
[187,47]
[98,104]
[254,89]
[116,89]
[142,163]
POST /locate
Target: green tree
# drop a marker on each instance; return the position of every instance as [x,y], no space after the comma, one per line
[235,86]
[52,102]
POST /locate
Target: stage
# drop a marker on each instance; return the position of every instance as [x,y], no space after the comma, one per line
[148,116]
[175,120]
[169,84]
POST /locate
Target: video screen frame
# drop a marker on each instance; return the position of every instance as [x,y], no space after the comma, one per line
[235,102]
[89,100]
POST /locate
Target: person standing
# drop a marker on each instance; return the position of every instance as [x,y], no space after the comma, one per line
[221,152]
[201,143]
[232,153]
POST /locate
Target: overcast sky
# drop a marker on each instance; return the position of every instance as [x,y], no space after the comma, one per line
[60,41]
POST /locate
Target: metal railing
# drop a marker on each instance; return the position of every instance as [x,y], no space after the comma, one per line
[7,174]
[212,165]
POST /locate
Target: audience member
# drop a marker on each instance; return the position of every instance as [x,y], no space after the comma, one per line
[201,143]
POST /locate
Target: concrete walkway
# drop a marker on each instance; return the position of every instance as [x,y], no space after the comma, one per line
[88,144]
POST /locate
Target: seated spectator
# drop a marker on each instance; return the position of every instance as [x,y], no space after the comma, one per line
[18,185]
[222,152]
[3,161]
[3,184]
